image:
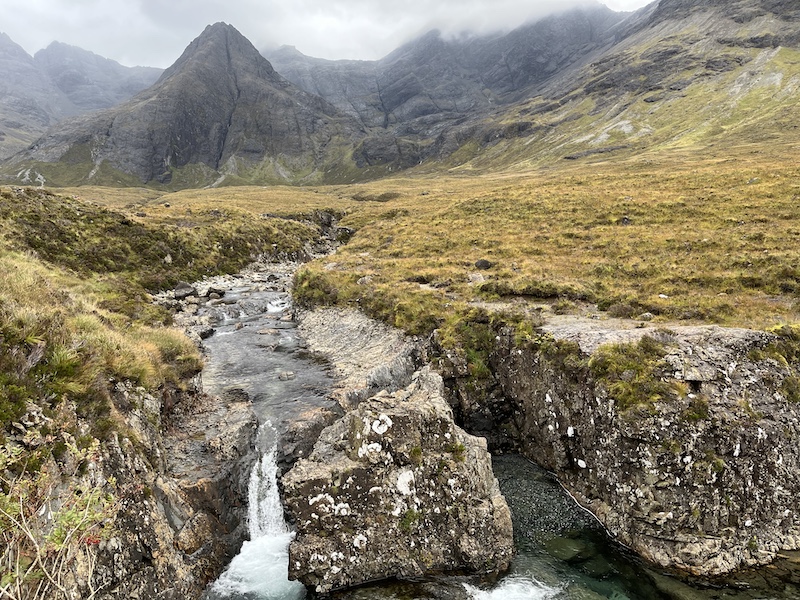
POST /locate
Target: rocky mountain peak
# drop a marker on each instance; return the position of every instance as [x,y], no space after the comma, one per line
[91,81]
[9,48]
[221,48]
[219,110]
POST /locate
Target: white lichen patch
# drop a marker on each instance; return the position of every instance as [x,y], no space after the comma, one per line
[367,449]
[405,482]
[382,424]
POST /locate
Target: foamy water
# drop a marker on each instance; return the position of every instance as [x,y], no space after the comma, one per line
[514,588]
[260,569]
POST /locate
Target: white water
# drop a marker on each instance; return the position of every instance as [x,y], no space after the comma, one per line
[260,569]
[515,588]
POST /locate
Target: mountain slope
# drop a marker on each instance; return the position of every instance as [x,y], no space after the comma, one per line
[59,82]
[29,101]
[683,75]
[90,81]
[219,111]
[433,78]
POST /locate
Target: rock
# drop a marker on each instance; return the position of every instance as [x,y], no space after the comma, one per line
[702,478]
[483,264]
[183,290]
[396,489]
[286,376]
[368,356]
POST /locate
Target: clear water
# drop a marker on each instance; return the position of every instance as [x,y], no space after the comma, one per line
[563,553]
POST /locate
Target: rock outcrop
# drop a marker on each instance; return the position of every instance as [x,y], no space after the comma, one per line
[682,442]
[396,489]
[367,356]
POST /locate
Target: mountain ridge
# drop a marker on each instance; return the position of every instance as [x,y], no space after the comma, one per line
[219,108]
[60,81]
[587,82]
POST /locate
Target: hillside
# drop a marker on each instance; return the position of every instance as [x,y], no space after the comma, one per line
[684,76]
[58,82]
[219,112]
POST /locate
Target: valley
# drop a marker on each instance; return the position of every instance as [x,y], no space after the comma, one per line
[585,231]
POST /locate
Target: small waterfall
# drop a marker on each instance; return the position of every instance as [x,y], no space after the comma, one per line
[259,571]
[515,588]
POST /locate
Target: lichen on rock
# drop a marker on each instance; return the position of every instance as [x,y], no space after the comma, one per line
[396,489]
[689,457]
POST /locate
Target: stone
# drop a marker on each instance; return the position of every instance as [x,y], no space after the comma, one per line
[183,290]
[483,264]
[395,489]
[703,479]
[367,356]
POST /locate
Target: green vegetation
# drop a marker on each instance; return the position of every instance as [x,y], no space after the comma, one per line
[786,352]
[633,373]
[76,318]
[409,520]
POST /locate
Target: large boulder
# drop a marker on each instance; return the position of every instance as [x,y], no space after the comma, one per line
[396,489]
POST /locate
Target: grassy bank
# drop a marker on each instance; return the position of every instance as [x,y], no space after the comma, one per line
[76,320]
[694,242]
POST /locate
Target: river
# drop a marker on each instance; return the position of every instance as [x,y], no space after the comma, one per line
[563,553]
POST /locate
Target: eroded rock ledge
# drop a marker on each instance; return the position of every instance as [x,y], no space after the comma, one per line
[396,489]
[703,478]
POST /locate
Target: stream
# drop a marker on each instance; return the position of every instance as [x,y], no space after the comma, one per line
[563,552]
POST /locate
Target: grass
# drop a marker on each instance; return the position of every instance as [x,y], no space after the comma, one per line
[711,241]
[633,373]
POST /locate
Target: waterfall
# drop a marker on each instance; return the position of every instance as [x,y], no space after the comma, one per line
[259,571]
[515,588]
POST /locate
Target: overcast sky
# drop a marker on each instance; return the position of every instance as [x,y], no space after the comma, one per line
[155,32]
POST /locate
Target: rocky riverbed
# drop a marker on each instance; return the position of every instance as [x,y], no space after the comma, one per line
[556,410]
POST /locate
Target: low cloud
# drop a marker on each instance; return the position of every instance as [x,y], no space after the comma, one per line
[154,33]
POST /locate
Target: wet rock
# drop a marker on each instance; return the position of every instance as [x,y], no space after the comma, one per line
[396,489]
[367,356]
[702,477]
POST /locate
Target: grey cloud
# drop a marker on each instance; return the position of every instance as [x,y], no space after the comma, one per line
[154,33]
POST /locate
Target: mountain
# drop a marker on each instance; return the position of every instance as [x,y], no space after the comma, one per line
[434,79]
[681,75]
[90,81]
[29,101]
[677,73]
[58,82]
[582,84]
[219,112]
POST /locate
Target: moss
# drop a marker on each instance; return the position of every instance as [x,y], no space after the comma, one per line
[632,373]
[697,410]
[791,389]
[409,520]
[458,450]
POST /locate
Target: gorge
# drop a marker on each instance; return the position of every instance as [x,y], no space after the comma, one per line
[552,526]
